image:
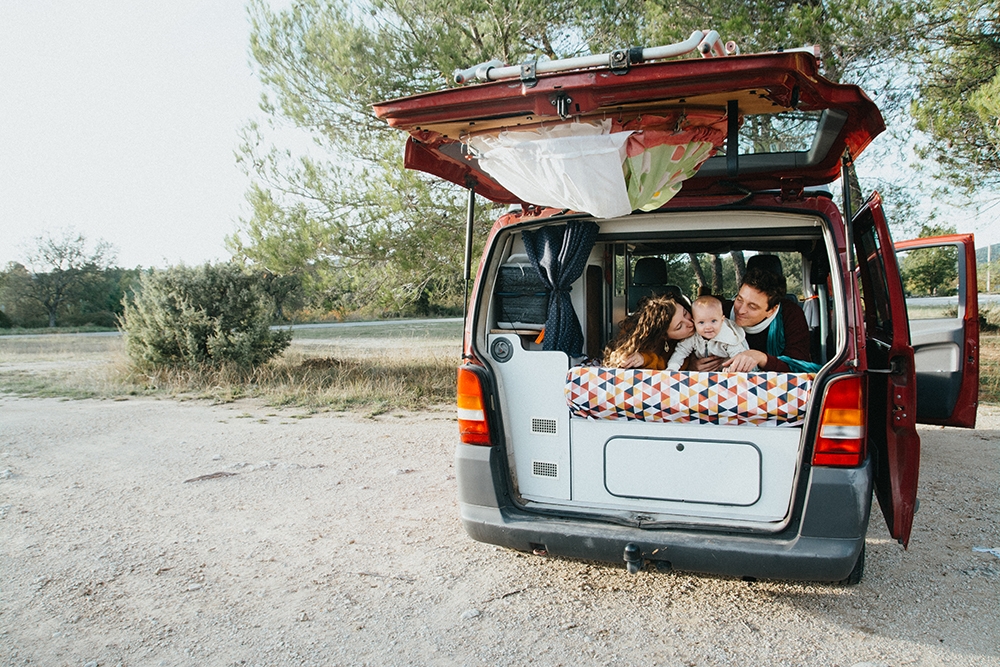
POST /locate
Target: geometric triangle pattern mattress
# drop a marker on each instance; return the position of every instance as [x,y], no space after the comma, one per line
[765,399]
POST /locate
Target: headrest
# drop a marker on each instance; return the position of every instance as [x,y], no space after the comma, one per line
[650,271]
[769,263]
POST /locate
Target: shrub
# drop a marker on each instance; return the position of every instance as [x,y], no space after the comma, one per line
[201,316]
[104,319]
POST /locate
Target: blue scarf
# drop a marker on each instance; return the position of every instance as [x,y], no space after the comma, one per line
[776,345]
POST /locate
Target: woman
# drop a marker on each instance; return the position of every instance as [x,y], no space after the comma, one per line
[642,340]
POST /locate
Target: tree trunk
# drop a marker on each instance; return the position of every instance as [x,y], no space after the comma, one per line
[699,274]
[717,284]
[740,264]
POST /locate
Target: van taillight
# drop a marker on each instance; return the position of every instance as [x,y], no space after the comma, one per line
[472,426]
[840,439]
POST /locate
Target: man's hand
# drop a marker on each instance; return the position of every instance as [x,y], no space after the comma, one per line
[706,364]
[746,361]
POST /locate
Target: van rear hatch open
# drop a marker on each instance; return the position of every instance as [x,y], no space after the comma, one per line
[785,125]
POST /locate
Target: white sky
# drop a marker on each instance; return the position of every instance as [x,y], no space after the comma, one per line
[121,118]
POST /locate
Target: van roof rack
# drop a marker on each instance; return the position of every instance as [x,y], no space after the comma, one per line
[706,42]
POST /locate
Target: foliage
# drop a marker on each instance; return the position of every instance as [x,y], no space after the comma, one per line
[852,50]
[958,91]
[354,225]
[59,271]
[204,316]
[355,219]
[931,271]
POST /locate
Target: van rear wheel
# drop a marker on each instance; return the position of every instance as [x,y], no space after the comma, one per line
[854,578]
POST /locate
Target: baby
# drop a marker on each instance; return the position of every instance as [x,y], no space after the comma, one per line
[715,335]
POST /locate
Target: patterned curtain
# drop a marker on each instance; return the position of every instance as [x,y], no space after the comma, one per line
[559,254]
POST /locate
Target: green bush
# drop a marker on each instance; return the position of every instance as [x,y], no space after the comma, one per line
[104,319]
[201,316]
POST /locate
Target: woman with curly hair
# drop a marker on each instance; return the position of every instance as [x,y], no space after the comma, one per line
[647,337]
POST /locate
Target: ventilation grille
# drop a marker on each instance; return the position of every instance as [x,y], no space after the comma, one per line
[544,469]
[547,426]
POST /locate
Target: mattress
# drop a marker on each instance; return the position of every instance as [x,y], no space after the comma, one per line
[764,399]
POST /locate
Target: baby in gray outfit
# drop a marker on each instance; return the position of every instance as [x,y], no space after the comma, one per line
[715,336]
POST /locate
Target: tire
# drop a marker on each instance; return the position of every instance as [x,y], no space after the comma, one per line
[854,578]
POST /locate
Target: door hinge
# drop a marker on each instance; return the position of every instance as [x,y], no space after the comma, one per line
[792,189]
[896,367]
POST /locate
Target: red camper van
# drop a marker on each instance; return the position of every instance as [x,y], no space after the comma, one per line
[623,173]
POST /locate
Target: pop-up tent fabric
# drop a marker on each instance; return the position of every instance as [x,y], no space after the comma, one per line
[604,168]
[664,151]
[570,165]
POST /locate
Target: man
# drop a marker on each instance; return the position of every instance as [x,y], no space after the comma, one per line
[776,329]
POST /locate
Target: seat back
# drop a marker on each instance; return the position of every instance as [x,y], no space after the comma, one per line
[649,278]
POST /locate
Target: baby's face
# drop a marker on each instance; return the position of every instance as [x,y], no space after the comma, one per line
[708,320]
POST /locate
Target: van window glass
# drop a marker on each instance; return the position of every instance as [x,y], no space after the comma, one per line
[875,294]
[714,272]
[930,282]
[788,132]
[619,251]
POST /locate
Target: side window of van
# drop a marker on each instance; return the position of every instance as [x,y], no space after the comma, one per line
[874,293]
[930,282]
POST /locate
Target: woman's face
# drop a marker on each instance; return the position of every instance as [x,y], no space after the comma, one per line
[750,307]
[681,326]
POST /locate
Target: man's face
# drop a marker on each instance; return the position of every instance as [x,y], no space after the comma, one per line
[708,320]
[750,307]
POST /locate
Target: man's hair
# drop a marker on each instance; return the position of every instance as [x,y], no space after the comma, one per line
[771,284]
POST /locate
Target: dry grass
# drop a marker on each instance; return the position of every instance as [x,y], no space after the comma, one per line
[373,369]
[62,365]
[989,368]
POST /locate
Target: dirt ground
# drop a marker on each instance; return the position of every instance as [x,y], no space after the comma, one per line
[147,532]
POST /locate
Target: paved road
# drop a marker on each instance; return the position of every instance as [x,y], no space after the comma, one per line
[984,300]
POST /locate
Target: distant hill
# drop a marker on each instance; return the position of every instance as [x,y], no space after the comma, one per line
[994,253]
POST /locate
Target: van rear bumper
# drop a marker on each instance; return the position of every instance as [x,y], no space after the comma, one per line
[823,546]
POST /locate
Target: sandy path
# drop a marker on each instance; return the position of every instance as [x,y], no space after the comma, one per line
[334,540]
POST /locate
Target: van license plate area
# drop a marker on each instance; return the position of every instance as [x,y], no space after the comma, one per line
[693,471]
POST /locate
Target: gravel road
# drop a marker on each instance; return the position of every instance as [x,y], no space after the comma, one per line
[147,532]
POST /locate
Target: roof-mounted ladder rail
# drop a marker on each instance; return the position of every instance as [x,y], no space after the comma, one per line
[707,42]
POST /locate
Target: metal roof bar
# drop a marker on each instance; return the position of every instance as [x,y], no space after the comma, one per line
[707,42]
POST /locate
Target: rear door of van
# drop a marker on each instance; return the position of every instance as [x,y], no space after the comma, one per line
[893,442]
[942,304]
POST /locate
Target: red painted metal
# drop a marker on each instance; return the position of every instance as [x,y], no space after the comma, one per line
[967,403]
[778,79]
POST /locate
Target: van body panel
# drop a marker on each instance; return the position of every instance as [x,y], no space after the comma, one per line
[438,122]
[946,348]
[530,386]
[892,395]
[719,475]
[835,498]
